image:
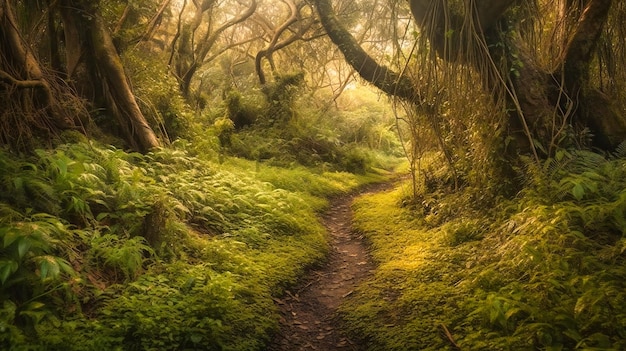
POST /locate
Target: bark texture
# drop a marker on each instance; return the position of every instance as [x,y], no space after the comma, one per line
[543,102]
[119,95]
[380,76]
[93,61]
[30,103]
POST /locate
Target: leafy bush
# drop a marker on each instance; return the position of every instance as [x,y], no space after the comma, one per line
[542,271]
[103,249]
[291,127]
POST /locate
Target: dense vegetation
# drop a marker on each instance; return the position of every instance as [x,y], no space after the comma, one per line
[105,249]
[163,163]
[542,271]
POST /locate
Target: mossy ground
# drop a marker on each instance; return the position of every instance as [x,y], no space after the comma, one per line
[103,249]
[542,271]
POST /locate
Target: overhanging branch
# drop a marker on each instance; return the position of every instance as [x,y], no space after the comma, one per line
[380,76]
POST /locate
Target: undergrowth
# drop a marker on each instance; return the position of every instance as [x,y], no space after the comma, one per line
[286,127]
[104,250]
[544,271]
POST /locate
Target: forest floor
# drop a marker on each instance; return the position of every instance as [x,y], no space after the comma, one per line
[308,319]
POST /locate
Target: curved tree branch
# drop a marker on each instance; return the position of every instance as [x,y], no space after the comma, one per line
[204,49]
[152,24]
[274,44]
[198,55]
[293,18]
[179,28]
[380,76]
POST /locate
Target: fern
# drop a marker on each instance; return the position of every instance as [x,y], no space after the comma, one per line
[620,151]
[124,256]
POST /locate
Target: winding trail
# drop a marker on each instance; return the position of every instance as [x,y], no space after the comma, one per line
[308,320]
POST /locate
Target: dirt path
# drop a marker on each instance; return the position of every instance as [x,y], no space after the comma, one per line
[308,320]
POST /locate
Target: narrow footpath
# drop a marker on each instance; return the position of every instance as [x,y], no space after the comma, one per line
[308,320]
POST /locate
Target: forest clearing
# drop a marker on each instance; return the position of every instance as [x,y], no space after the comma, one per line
[374,175]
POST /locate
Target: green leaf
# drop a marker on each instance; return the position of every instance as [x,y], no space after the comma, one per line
[578,191]
[23,245]
[34,312]
[18,183]
[49,267]
[64,266]
[10,235]
[6,269]
[512,312]
[597,340]
[34,305]
[572,334]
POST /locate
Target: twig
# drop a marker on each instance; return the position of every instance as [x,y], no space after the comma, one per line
[450,337]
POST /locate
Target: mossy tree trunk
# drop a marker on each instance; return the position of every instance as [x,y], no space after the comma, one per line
[380,76]
[95,64]
[542,101]
[31,105]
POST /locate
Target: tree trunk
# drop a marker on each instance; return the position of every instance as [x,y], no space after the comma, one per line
[89,43]
[120,97]
[30,104]
[544,103]
[594,108]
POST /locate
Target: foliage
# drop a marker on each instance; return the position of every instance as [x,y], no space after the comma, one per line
[157,93]
[542,271]
[356,138]
[240,111]
[103,249]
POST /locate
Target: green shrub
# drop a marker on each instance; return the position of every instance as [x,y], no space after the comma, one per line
[542,271]
[103,249]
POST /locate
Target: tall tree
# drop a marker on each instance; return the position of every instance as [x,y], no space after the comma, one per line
[496,41]
[195,41]
[94,63]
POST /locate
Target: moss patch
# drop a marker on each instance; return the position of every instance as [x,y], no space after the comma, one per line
[542,271]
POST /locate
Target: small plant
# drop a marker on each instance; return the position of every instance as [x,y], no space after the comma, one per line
[125,257]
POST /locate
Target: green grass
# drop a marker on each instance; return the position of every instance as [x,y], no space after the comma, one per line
[404,304]
[543,271]
[102,249]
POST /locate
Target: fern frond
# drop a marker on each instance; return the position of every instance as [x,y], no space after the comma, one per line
[583,161]
[620,151]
